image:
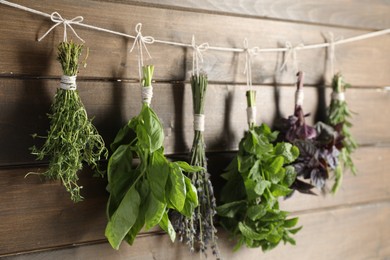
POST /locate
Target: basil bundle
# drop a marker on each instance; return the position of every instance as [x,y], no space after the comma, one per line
[141,195]
[339,116]
[72,138]
[256,178]
[198,230]
[318,145]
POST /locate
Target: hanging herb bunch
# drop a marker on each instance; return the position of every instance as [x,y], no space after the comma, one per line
[339,116]
[198,230]
[143,184]
[72,138]
[256,178]
[318,146]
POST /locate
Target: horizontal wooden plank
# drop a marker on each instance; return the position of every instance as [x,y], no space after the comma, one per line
[109,56]
[350,233]
[37,214]
[112,104]
[358,14]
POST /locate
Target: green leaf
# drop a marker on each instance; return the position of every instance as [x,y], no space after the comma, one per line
[244,163]
[143,190]
[275,165]
[261,186]
[290,176]
[166,225]
[280,190]
[278,176]
[123,218]
[256,212]
[254,171]
[188,168]
[154,212]
[288,151]
[294,230]
[122,137]
[290,222]
[229,210]
[274,236]
[153,128]
[248,232]
[250,189]
[143,138]
[157,174]
[176,189]
[191,199]
[120,176]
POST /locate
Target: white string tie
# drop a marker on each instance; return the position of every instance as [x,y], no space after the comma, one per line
[340,96]
[140,41]
[249,53]
[299,97]
[57,19]
[199,122]
[251,115]
[147,94]
[291,54]
[197,55]
[68,82]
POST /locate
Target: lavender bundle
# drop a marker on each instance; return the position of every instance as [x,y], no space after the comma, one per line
[72,138]
[338,116]
[198,231]
[318,146]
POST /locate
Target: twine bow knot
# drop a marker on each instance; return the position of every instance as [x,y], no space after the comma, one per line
[57,19]
[249,53]
[291,53]
[197,54]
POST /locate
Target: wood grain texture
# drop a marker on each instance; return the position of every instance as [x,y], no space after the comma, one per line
[110,58]
[326,235]
[40,213]
[37,215]
[112,104]
[358,14]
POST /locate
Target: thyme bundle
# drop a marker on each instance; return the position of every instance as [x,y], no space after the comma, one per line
[72,138]
[256,178]
[198,230]
[339,116]
[142,195]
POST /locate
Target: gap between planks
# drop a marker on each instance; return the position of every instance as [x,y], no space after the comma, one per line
[179,82]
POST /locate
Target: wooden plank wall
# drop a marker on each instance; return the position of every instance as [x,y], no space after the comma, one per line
[38,221]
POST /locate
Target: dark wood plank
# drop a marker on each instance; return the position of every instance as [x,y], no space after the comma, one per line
[24,104]
[109,56]
[358,14]
[37,214]
[359,232]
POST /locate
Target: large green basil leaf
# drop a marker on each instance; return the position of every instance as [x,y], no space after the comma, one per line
[120,176]
[123,218]
[157,173]
[166,225]
[154,212]
[153,128]
[191,198]
[143,190]
[176,188]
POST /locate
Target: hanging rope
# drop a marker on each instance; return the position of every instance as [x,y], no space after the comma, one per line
[216,48]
